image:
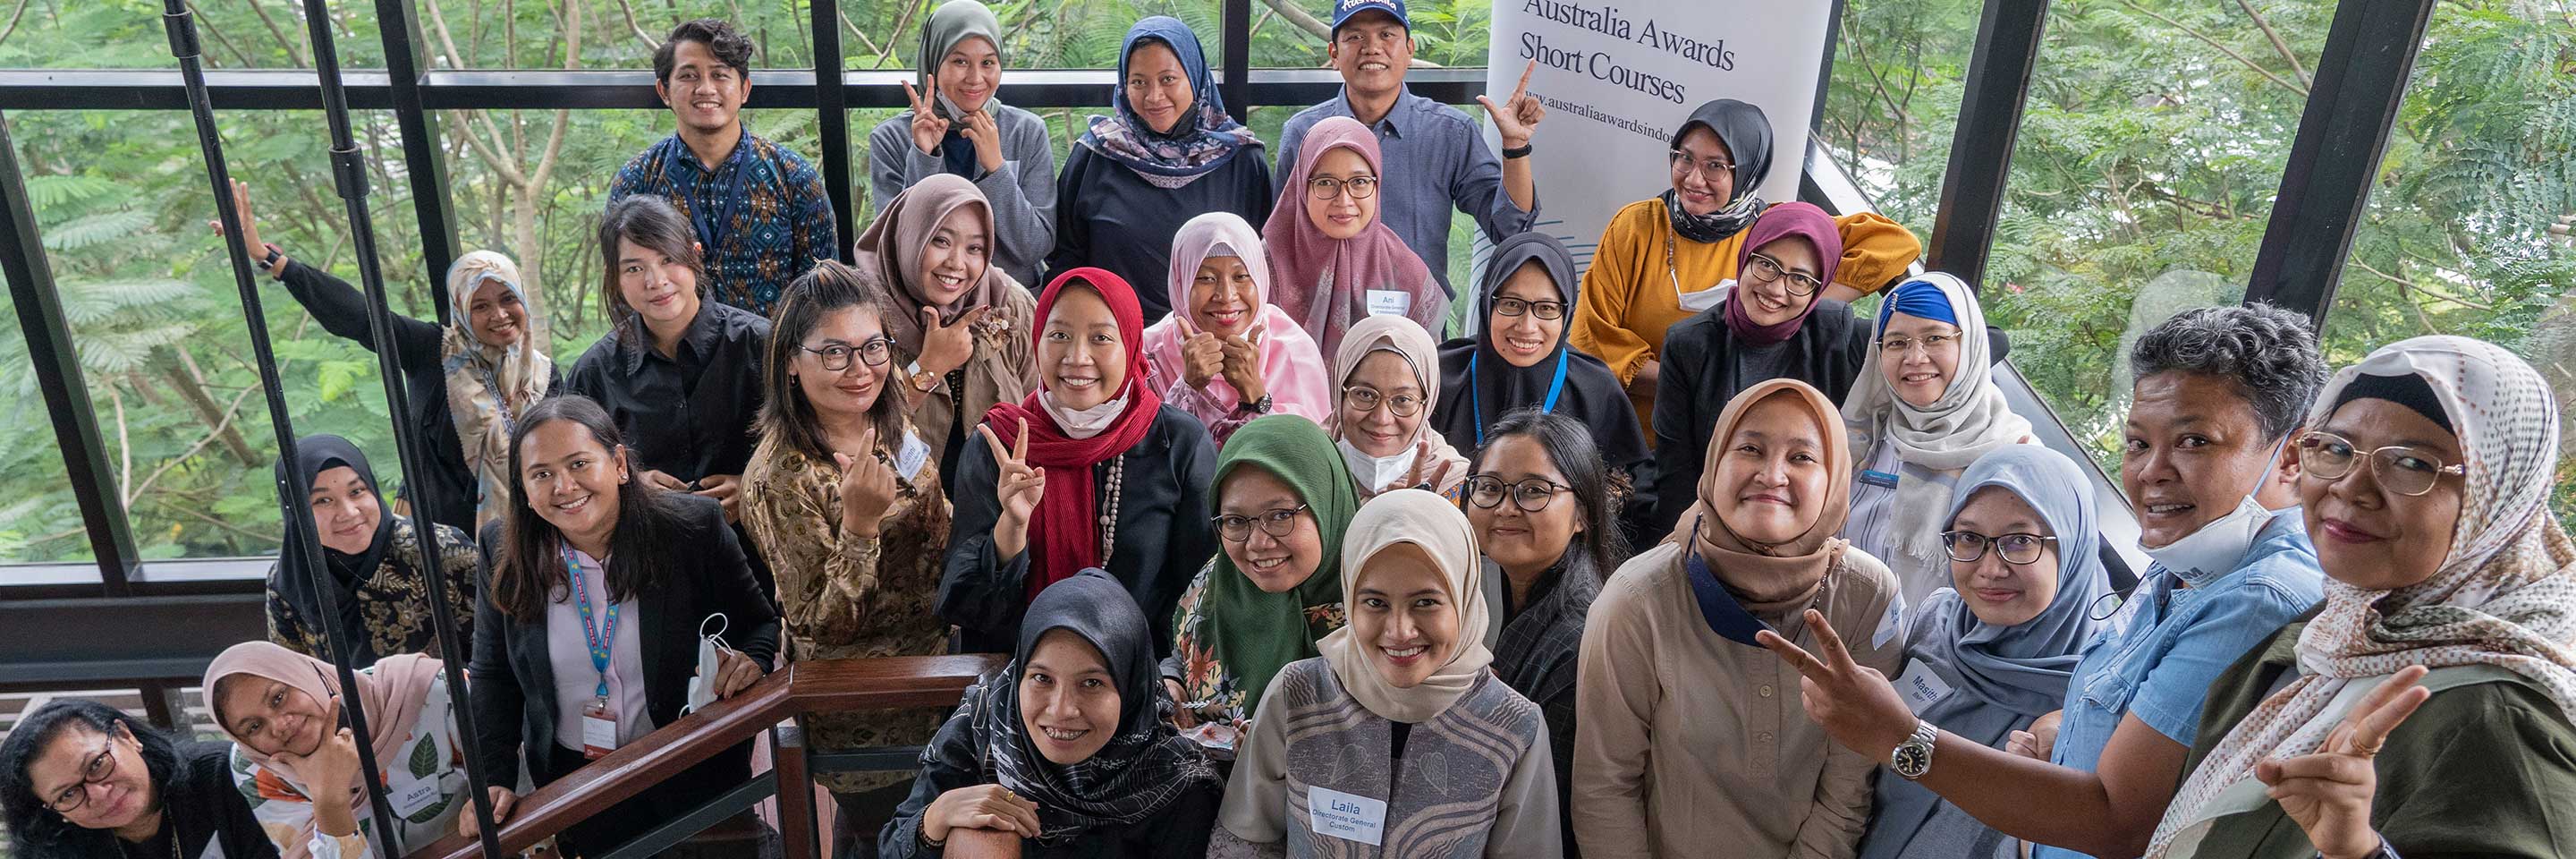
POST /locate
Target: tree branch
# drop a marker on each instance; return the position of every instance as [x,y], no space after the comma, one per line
[13,21]
[256,8]
[640,36]
[2278,46]
[2231,53]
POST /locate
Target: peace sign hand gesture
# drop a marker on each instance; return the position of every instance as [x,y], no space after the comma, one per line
[1855,704]
[1518,117]
[1019,487]
[867,489]
[927,127]
[2328,793]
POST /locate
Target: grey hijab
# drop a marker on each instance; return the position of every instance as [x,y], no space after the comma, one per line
[953,22]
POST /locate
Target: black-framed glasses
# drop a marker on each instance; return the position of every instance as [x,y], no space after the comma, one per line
[2401,469]
[1516,306]
[100,767]
[1275,522]
[1711,169]
[1530,494]
[1368,399]
[1930,343]
[836,355]
[1967,547]
[1769,270]
[1327,187]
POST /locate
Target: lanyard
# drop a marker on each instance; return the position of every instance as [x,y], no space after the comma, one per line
[1476,392]
[731,193]
[599,638]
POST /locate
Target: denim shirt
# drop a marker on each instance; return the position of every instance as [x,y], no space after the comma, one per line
[2157,656]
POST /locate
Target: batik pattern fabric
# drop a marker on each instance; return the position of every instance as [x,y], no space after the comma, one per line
[393,604]
[1208,687]
[761,215]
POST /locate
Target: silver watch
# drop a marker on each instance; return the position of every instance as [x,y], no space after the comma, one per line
[1913,757]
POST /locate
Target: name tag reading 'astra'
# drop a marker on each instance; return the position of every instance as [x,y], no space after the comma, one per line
[1347,816]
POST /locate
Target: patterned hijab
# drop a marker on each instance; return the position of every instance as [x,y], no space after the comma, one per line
[391,695]
[2504,595]
[1256,633]
[1434,525]
[1205,138]
[1969,421]
[1146,766]
[489,386]
[893,243]
[1325,281]
[1747,135]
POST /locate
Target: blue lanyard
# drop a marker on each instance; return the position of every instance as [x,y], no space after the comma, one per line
[1476,392]
[599,639]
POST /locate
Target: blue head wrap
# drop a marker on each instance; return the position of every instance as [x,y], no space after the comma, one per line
[1918,298]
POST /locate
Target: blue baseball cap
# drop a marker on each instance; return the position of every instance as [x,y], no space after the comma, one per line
[1344,9]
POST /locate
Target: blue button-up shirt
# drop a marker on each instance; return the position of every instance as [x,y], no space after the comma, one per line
[2159,654]
[1435,159]
[761,214]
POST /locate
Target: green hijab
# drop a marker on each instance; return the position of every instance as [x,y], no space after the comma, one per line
[1255,633]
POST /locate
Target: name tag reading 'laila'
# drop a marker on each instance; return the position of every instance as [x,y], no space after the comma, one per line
[1347,816]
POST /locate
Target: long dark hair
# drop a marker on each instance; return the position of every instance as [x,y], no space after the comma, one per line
[528,571]
[1601,491]
[648,220]
[785,417]
[35,831]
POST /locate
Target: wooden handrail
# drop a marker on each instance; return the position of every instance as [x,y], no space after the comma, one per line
[804,687]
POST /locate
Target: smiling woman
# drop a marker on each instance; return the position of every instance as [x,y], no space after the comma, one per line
[282,710]
[371,561]
[80,779]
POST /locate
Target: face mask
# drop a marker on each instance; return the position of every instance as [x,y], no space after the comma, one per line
[1701,301]
[1083,423]
[2217,546]
[1377,472]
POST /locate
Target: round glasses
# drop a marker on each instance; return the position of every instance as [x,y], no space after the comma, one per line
[1768,270]
[1367,400]
[1967,547]
[2401,469]
[1895,346]
[100,767]
[1518,306]
[836,355]
[1708,170]
[1530,494]
[1327,187]
[1276,523]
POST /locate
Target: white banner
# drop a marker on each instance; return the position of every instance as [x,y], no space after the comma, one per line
[1618,79]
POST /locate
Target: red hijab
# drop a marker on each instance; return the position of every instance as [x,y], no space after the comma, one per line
[1787,220]
[1064,530]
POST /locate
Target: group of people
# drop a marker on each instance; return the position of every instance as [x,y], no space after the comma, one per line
[1642,567]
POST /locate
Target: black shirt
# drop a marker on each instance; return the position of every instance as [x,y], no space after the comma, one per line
[1109,217]
[689,415]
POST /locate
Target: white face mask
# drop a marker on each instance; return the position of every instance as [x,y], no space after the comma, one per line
[1376,472]
[1701,301]
[2217,546]
[1083,423]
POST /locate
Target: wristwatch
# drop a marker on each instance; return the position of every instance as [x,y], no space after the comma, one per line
[921,380]
[1256,407]
[1913,757]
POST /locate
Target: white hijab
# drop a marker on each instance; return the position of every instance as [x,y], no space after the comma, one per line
[1970,420]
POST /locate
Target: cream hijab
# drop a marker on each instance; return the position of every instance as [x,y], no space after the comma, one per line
[1434,525]
[1433,461]
[1767,578]
[391,694]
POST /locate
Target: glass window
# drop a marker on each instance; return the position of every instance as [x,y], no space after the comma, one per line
[42,522]
[127,34]
[609,34]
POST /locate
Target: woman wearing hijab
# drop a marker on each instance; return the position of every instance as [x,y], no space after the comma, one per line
[2425,481]
[1546,519]
[1226,354]
[1774,323]
[371,561]
[1691,734]
[1693,236]
[956,317]
[962,128]
[1337,261]
[1167,152]
[1520,359]
[1092,470]
[1920,415]
[1399,715]
[1283,500]
[1066,749]
[465,379]
[1389,376]
[281,709]
[1995,651]
[82,780]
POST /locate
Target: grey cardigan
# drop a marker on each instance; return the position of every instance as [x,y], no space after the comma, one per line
[1023,191]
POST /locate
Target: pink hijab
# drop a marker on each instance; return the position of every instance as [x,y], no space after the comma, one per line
[1326,281]
[391,695]
[1290,364]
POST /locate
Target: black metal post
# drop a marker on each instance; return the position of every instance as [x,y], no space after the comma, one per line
[349,177]
[832,111]
[1972,191]
[2361,79]
[181,25]
[59,378]
[1236,46]
[422,159]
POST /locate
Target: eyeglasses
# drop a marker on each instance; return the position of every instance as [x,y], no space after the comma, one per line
[1516,307]
[2398,468]
[836,356]
[1367,400]
[1530,494]
[1709,170]
[1276,523]
[1327,187]
[1930,343]
[99,768]
[1967,547]
[1768,270]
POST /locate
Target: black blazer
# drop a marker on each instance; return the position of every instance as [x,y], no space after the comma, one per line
[514,685]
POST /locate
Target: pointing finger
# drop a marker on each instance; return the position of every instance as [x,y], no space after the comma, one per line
[867,441]
[1020,450]
[1522,91]
[914,95]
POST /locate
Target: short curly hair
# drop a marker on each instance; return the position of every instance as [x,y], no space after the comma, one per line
[728,44]
[2269,353]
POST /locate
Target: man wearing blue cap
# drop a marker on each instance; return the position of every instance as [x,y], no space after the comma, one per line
[1435,157]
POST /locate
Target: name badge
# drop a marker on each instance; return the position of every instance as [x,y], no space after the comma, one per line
[598,729]
[410,799]
[1389,302]
[1889,624]
[1347,816]
[909,458]
[1878,478]
[1921,687]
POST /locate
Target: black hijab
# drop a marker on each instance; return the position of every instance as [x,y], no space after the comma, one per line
[1142,770]
[1747,135]
[1477,386]
[297,582]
